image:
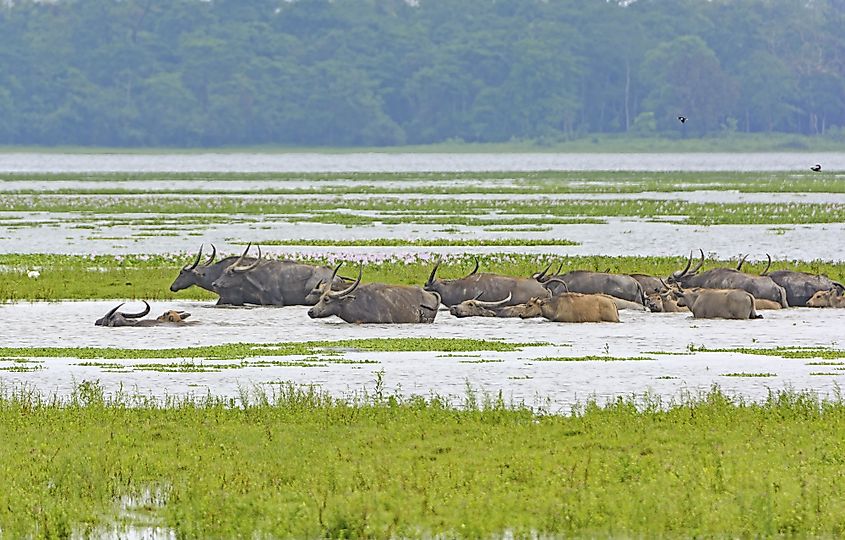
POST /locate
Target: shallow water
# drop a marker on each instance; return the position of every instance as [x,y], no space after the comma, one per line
[519,375]
[619,236]
[415,162]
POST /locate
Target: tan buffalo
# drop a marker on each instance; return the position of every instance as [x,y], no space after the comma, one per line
[762,303]
[572,307]
[831,298]
[664,302]
[718,303]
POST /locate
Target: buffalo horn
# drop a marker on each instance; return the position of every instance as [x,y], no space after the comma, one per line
[110,313]
[555,280]
[213,254]
[474,270]
[701,262]
[683,272]
[237,268]
[138,315]
[348,290]
[741,261]
[496,303]
[433,272]
[196,261]
[559,268]
[539,275]
[768,265]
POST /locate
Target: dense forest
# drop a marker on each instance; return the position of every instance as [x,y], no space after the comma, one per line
[388,72]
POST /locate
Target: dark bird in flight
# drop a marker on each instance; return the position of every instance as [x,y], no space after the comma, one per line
[817,167]
[682,119]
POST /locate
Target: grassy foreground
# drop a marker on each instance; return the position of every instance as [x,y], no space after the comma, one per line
[297,463]
[72,277]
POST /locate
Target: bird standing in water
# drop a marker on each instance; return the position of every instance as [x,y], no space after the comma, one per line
[817,167]
[682,119]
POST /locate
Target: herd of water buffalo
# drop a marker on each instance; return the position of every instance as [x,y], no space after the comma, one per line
[578,296]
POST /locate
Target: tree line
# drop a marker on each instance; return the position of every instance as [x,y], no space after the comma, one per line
[388,72]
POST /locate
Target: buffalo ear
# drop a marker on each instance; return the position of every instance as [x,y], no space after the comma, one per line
[183,315]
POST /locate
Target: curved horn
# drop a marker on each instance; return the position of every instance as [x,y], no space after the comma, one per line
[698,266]
[683,272]
[559,268]
[110,313]
[741,261]
[664,284]
[477,296]
[347,291]
[433,272]
[213,254]
[769,265]
[539,275]
[239,269]
[196,261]
[494,304]
[556,280]
[138,315]
[474,270]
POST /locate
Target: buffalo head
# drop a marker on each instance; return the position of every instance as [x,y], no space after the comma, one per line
[191,274]
[116,318]
[330,300]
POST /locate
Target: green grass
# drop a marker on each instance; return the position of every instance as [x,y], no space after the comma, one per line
[422,210]
[233,351]
[782,352]
[744,374]
[296,463]
[421,242]
[71,277]
[440,183]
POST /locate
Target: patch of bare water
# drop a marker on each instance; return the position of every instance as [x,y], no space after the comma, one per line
[415,162]
[616,237]
[520,376]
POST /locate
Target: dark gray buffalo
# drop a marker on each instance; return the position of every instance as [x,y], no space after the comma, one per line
[799,286]
[115,318]
[272,283]
[480,308]
[762,287]
[586,282]
[477,285]
[377,303]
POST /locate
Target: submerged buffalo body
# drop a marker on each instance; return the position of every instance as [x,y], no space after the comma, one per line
[585,282]
[719,303]
[650,284]
[115,318]
[377,303]
[480,308]
[483,286]
[572,308]
[801,286]
[762,287]
[276,283]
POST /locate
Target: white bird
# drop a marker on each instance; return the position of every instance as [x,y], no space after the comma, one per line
[33,274]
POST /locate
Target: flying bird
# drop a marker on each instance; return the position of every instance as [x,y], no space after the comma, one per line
[682,119]
[817,167]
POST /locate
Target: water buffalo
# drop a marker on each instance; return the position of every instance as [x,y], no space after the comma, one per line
[586,282]
[377,303]
[268,282]
[664,302]
[728,278]
[116,318]
[489,286]
[480,308]
[573,308]
[799,286]
[204,276]
[718,303]
[832,298]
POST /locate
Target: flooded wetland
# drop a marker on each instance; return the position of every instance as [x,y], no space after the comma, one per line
[81,234]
